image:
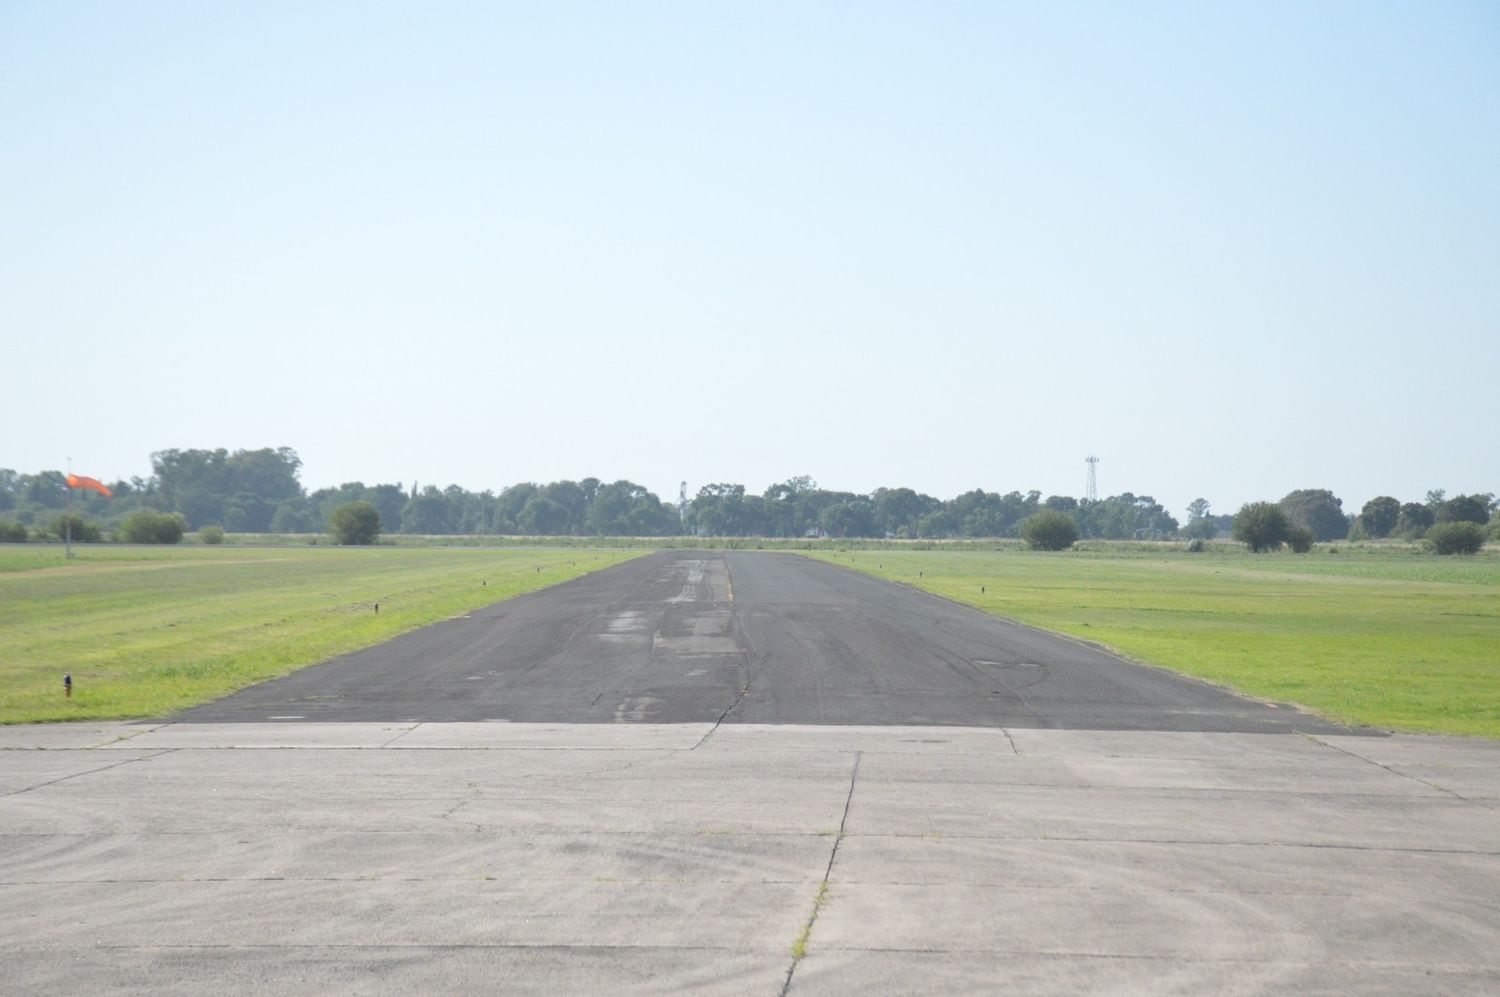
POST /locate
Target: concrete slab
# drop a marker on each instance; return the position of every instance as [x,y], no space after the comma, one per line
[1371,875]
[592,737]
[1232,772]
[617,858]
[1467,767]
[45,736]
[413,912]
[287,734]
[1156,924]
[1111,814]
[457,854]
[846,971]
[408,969]
[23,770]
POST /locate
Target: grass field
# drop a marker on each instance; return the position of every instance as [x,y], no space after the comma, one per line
[145,631]
[1391,638]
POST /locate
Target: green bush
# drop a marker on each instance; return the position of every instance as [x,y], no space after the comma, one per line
[1261,526]
[1195,546]
[1300,539]
[147,526]
[1460,537]
[1050,530]
[211,534]
[12,533]
[83,531]
[355,523]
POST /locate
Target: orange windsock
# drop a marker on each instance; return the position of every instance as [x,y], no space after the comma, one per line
[79,481]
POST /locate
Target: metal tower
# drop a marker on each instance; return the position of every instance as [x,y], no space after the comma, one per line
[1091,492]
[682,502]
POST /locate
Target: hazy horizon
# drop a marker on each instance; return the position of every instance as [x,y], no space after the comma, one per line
[1233,252]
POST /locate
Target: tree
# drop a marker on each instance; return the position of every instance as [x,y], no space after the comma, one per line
[355,523]
[147,526]
[1201,529]
[1458,537]
[854,518]
[1465,509]
[1319,510]
[1300,539]
[1124,516]
[542,516]
[241,489]
[898,510]
[1201,525]
[427,513]
[1261,526]
[1049,529]
[1379,516]
[82,531]
[1414,520]
[294,517]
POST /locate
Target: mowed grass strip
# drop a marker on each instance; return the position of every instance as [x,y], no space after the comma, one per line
[1390,639]
[175,627]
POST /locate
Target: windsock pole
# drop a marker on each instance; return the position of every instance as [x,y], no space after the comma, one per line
[68,516]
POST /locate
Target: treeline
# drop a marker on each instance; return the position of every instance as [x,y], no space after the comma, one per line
[259,491]
[799,508]
[1320,512]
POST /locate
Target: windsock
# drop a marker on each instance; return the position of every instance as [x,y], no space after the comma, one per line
[79,481]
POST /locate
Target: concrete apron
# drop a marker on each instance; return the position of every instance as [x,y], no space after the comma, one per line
[360,857]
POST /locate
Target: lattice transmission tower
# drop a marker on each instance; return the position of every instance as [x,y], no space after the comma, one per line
[1091,490]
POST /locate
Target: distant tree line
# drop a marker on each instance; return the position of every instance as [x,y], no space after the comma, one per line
[797,507]
[259,491]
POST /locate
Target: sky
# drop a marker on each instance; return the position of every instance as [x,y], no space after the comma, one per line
[1230,249]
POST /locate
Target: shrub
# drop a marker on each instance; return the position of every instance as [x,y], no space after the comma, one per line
[355,523]
[83,531]
[211,534]
[147,526]
[1195,546]
[1300,539]
[12,533]
[1261,526]
[1460,537]
[1050,530]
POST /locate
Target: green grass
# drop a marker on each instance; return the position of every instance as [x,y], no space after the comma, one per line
[1387,637]
[148,631]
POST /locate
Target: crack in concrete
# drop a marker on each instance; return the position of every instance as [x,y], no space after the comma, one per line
[402,734]
[1487,804]
[799,948]
[75,775]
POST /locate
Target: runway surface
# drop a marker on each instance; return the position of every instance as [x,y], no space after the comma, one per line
[747,637]
[744,773]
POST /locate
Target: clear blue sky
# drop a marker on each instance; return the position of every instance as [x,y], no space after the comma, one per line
[1232,249]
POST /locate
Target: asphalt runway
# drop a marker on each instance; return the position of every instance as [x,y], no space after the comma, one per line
[747,637]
